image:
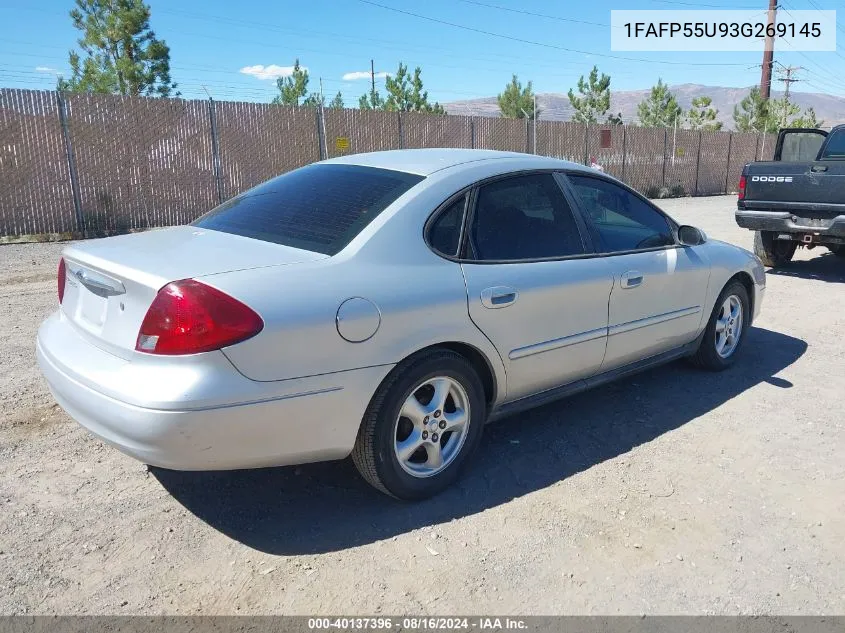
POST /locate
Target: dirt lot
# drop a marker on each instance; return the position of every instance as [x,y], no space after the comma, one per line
[674,492]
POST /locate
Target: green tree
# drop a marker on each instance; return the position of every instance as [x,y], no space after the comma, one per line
[752,113]
[660,108]
[371,101]
[120,52]
[517,102]
[314,100]
[294,87]
[594,101]
[781,114]
[702,117]
[405,93]
[337,102]
[808,119]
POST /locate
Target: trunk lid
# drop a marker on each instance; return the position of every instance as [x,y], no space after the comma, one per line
[111,282]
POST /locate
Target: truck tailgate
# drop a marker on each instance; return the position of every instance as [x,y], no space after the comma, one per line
[812,189]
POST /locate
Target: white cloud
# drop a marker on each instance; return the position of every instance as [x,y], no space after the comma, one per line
[272,71]
[46,69]
[363,74]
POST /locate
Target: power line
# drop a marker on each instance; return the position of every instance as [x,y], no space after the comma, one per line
[390,44]
[538,15]
[832,77]
[698,5]
[543,44]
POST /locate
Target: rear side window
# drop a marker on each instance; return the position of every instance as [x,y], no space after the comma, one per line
[444,235]
[523,217]
[835,147]
[318,208]
[800,146]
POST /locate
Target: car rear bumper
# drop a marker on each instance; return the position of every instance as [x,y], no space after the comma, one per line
[263,424]
[787,222]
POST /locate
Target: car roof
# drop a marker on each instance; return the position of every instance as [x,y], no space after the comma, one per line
[425,162]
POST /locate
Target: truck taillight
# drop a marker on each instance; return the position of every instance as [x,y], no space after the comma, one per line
[188,317]
[62,278]
[741,193]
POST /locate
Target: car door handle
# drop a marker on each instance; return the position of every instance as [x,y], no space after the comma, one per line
[498,297]
[818,168]
[632,279]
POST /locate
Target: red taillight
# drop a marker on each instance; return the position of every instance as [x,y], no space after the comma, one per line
[62,279]
[741,193]
[188,317]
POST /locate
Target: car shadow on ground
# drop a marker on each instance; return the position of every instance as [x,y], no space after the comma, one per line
[327,507]
[826,267]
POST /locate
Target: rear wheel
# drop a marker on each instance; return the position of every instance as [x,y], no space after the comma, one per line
[773,252]
[422,425]
[726,329]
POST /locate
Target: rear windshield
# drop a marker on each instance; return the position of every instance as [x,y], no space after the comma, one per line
[835,147]
[318,208]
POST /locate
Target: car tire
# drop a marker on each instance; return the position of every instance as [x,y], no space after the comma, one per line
[773,252]
[838,250]
[384,451]
[709,354]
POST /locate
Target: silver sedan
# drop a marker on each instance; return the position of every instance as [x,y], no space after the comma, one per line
[386,306]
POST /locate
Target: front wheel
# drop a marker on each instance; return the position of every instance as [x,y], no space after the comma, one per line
[725,331]
[773,252]
[422,425]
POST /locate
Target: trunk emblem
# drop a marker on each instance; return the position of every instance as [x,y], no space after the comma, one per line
[100,285]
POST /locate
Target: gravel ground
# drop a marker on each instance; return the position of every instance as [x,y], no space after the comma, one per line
[675,492]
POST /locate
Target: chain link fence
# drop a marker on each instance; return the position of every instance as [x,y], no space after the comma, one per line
[96,164]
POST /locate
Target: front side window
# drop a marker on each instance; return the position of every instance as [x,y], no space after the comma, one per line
[318,208]
[835,147]
[622,221]
[523,217]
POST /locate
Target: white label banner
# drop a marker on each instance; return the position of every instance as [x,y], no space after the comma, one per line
[724,30]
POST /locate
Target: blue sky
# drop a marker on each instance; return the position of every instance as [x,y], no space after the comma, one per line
[226,47]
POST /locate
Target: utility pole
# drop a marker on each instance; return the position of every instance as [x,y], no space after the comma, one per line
[323,120]
[768,53]
[787,78]
[372,83]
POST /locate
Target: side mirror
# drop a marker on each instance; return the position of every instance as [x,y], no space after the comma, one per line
[691,236]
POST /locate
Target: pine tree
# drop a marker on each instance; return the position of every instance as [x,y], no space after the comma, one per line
[702,117]
[120,52]
[752,113]
[808,119]
[337,102]
[517,102]
[294,87]
[371,101]
[660,108]
[594,101]
[405,93]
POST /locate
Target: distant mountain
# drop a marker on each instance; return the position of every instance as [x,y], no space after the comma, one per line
[556,106]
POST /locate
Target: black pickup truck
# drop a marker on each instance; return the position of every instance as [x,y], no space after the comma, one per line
[798,199]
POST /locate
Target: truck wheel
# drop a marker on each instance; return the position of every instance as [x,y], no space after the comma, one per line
[772,252]
[838,250]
